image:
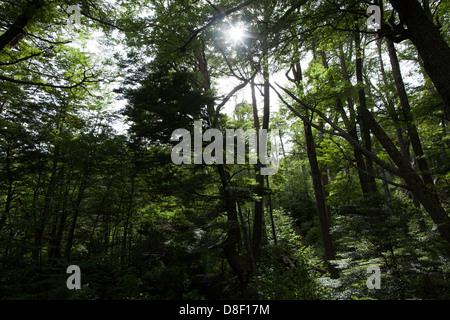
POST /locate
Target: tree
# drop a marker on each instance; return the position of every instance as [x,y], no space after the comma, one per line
[427,38]
[362,181]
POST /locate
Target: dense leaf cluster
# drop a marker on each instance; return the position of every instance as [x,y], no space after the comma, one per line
[364,174]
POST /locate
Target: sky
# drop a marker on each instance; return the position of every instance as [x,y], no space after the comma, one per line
[223,87]
[236,35]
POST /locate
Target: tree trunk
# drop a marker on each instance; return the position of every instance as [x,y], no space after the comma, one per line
[432,47]
[44,216]
[59,234]
[259,207]
[247,240]
[233,238]
[200,55]
[406,111]
[258,222]
[9,192]
[16,31]
[81,190]
[272,221]
[126,228]
[320,202]
[365,130]
[427,197]
[391,108]
[352,130]
[316,176]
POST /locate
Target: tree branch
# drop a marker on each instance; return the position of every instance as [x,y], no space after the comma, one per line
[212,20]
[21,59]
[366,172]
[339,131]
[46,40]
[40,84]
[231,94]
[14,33]
[109,24]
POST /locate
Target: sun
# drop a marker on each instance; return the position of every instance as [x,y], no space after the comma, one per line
[236,33]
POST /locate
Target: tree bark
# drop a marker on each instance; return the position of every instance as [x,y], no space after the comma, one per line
[259,207]
[365,130]
[402,142]
[129,213]
[352,130]
[9,193]
[320,202]
[15,32]
[272,221]
[44,216]
[432,47]
[406,111]
[427,196]
[391,108]
[81,190]
[233,238]
[258,222]
[316,177]
[247,240]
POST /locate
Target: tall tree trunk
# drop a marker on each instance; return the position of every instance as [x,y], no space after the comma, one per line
[316,176]
[200,55]
[62,220]
[46,212]
[16,31]
[59,234]
[59,218]
[427,196]
[258,222]
[406,111]
[365,130]
[430,44]
[272,221]
[320,202]
[9,192]
[233,240]
[247,240]
[352,130]
[81,189]
[127,221]
[266,76]
[259,206]
[391,108]
[402,142]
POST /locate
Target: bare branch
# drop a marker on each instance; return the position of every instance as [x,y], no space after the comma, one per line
[231,94]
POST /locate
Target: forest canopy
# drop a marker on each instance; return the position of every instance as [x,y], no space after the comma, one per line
[95,93]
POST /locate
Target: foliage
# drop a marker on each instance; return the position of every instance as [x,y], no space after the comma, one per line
[86,176]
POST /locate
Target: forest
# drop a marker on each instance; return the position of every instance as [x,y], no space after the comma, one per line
[99,100]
